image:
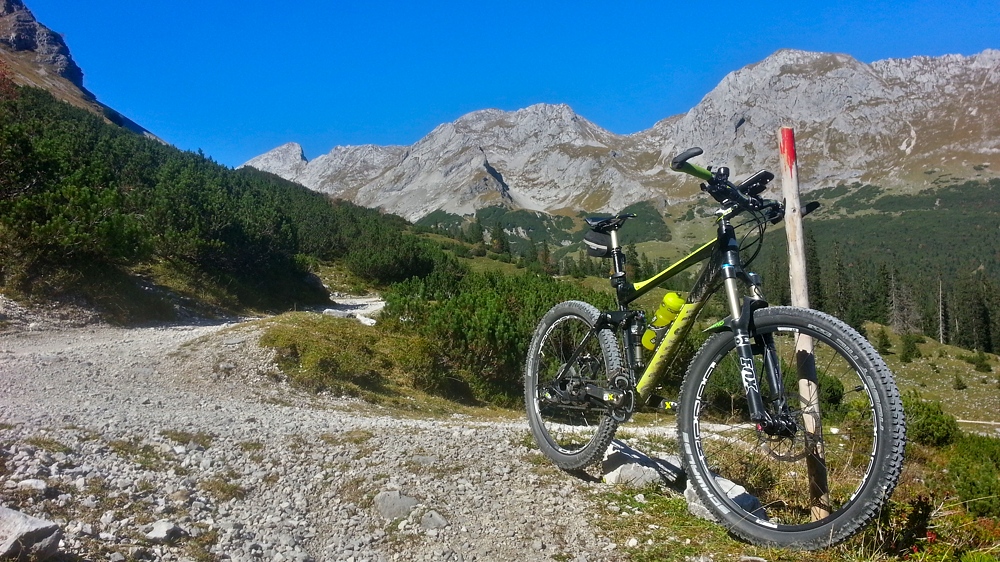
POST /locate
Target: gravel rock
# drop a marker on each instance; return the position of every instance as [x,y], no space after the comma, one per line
[392,505]
[192,425]
[433,520]
[164,532]
[33,484]
[23,536]
[735,492]
[627,466]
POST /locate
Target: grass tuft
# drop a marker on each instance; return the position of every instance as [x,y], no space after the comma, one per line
[224,488]
[48,444]
[185,437]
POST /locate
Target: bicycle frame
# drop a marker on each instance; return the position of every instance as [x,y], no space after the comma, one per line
[681,326]
[587,372]
[724,268]
[723,264]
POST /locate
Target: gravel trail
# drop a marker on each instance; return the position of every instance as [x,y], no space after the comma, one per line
[108,431]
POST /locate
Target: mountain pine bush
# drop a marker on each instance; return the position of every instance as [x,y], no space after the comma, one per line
[482,321]
[83,200]
[974,467]
[926,422]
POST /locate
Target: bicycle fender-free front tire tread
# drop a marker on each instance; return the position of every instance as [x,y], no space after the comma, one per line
[863,435]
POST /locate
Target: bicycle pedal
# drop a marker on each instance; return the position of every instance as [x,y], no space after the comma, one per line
[662,404]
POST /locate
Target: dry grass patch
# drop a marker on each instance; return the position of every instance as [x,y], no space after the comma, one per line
[224,488]
[48,444]
[185,437]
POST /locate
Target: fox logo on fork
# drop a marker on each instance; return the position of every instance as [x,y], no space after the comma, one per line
[746,371]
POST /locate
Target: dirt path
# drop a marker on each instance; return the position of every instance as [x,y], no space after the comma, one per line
[188,424]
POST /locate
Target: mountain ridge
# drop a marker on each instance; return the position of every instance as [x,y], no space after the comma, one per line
[900,123]
[37,56]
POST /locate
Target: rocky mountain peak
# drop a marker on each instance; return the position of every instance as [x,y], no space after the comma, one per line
[898,123]
[287,160]
[21,32]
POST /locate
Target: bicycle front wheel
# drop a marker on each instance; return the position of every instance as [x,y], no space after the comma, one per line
[565,355]
[819,484]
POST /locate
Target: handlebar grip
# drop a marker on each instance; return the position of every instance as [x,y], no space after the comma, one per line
[680,164]
[685,156]
[696,171]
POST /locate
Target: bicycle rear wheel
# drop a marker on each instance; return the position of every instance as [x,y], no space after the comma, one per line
[562,359]
[769,489]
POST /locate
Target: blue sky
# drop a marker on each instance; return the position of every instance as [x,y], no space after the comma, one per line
[237,78]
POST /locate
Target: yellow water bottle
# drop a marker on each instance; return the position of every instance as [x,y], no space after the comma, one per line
[665,314]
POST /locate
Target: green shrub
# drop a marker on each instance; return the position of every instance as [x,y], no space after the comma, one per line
[390,256]
[78,195]
[977,557]
[882,342]
[482,322]
[831,391]
[322,353]
[908,347]
[974,468]
[980,361]
[926,422]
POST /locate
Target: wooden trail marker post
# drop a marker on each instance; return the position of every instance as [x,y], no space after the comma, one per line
[805,360]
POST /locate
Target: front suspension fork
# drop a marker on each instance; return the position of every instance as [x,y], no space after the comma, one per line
[742,310]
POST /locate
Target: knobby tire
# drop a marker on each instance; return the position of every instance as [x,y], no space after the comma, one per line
[572,436]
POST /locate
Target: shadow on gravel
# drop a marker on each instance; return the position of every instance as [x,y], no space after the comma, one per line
[624,464]
[583,475]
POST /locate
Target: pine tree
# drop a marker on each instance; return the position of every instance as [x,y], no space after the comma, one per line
[942,315]
[879,295]
[814,274]
[882,342]
[776,283]
[904,315]
[839,289]
[498,240]
[474,232]
[631,262]
[972,313]
[646,268]
[530,252]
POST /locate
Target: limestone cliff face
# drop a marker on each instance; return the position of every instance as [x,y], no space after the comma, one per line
[900,123]
[888,122]
[543,157]
[20,32]
[34,55]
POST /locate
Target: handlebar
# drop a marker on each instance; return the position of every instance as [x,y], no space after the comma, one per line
[743,196]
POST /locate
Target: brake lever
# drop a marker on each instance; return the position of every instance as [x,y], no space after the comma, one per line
[779,210]
[775,210]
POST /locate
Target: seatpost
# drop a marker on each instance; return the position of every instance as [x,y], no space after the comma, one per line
[618,281]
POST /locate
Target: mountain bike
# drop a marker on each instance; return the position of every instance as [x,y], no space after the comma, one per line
[790,426]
